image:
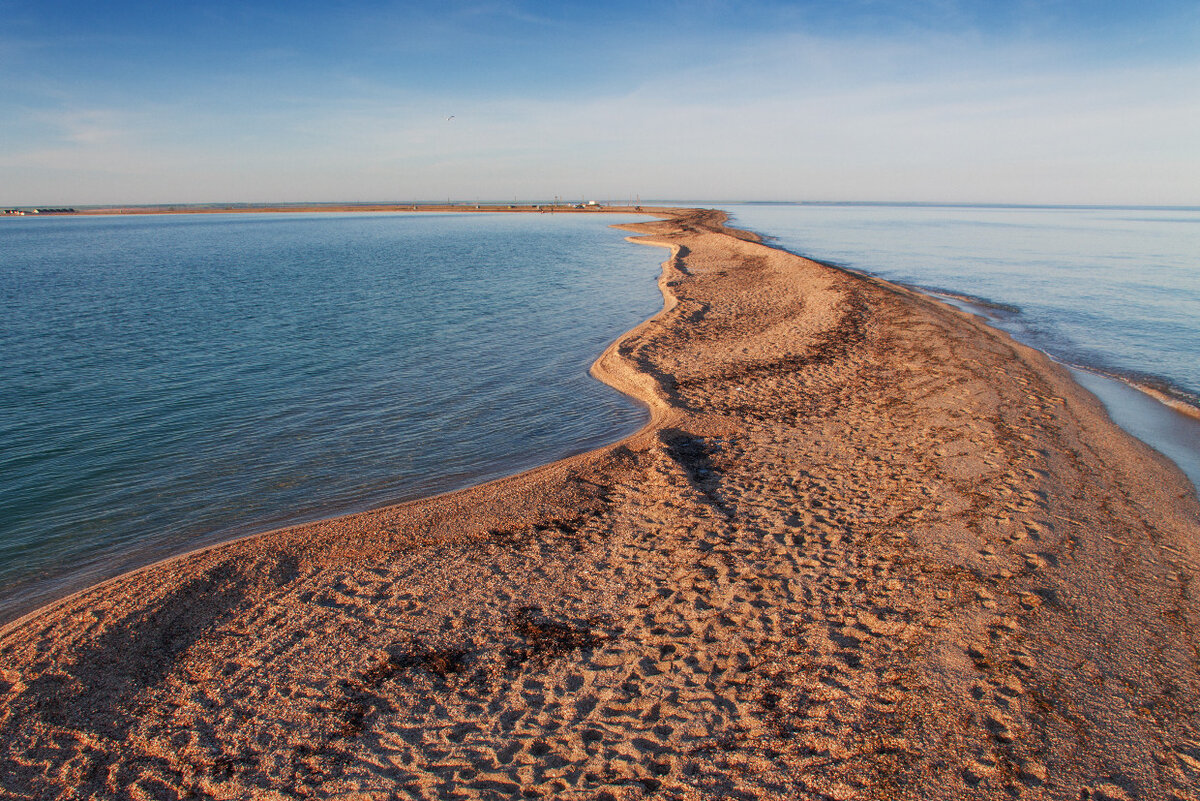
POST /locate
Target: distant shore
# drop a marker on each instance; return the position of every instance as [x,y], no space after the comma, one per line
[866,547]
[314,208]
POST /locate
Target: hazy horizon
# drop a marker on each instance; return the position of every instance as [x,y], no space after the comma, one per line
[944,101]
[614,202]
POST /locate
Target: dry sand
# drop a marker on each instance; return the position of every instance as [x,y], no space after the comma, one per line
[867,548]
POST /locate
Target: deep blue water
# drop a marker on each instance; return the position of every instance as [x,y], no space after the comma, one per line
[1110,289]
[170,381]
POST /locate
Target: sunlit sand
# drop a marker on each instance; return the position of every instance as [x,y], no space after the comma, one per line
[867,547]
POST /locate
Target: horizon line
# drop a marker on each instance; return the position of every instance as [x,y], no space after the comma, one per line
[683,203]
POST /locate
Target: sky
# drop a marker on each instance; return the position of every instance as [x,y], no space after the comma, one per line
[1055,101]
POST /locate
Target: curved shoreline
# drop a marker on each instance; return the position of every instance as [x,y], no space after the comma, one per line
[866,545]
[635,389]
[1170,395]
[209,509]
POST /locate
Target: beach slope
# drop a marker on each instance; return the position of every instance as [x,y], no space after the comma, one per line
[867,547]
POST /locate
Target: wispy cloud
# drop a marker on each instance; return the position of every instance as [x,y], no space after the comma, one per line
[84,127]
[943,113]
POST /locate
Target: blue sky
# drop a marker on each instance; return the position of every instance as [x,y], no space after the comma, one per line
[932,100]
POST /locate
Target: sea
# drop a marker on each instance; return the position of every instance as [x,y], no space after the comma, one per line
[1112,293]
[171,381]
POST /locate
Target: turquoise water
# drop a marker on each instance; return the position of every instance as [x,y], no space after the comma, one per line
[171,381]
[1109,289]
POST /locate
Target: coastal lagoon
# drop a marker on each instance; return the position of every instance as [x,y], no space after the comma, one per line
[172,381]
[1113,290]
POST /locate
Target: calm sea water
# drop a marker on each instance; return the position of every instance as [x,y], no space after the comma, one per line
[170,381]
[1114,290]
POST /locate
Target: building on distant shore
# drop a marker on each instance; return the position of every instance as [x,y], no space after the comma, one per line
[22,212]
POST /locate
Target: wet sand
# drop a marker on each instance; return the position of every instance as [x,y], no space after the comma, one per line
[867,547]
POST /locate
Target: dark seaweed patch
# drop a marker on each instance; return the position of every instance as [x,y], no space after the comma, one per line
[546,637]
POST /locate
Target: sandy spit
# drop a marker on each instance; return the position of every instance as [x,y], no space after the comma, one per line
[867,548]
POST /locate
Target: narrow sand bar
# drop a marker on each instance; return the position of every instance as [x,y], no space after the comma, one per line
[867,548]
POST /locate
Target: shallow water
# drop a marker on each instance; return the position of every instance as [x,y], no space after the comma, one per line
[171,381]
[1175,436]
[1114,290]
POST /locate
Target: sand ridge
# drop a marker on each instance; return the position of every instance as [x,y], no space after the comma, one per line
[867,548]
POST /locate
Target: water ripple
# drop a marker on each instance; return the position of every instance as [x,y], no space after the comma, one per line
[170,381]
